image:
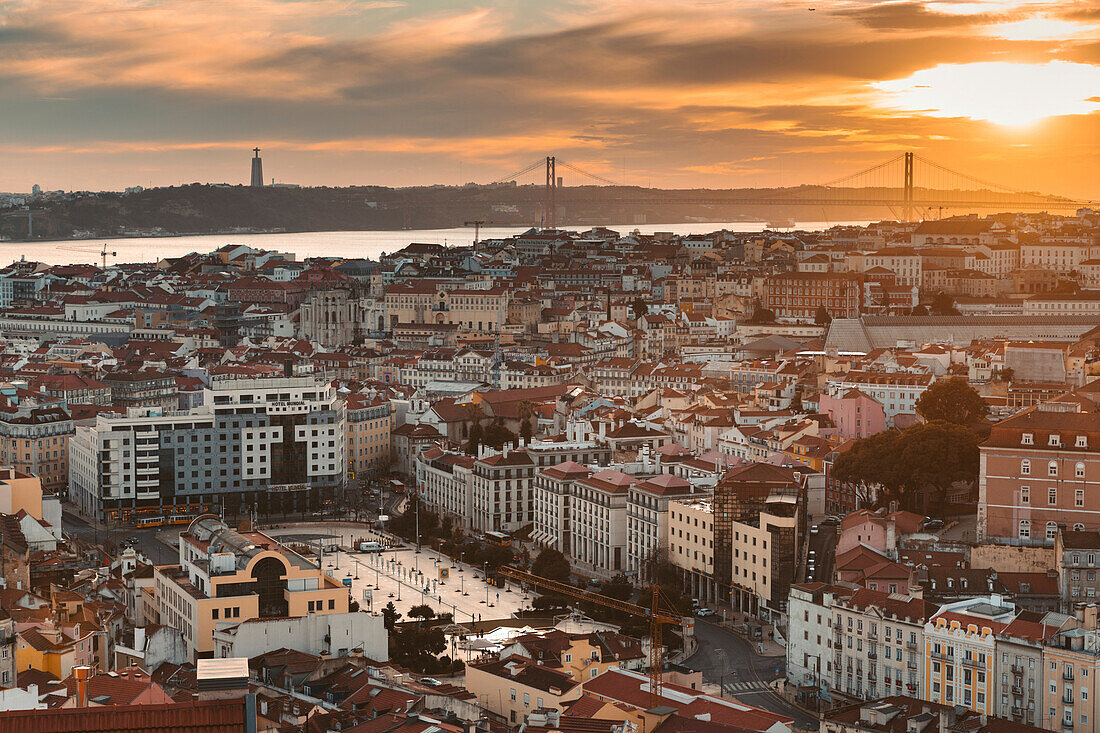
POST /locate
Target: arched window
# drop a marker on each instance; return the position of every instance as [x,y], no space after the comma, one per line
[1052,468]
[1078,527]
[1025,467]
[1079,470]
[1025,529]
[1052,530]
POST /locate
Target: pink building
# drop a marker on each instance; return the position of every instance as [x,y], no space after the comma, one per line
[878,532]
[855,413]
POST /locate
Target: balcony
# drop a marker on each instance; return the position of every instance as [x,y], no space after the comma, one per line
[1067,697]
[943,656]
[1017,690]
[1017,669]
[912,664]
[871,676]
[1067,674]
[972,662]
[911,646]
[1067,724]
[872,653]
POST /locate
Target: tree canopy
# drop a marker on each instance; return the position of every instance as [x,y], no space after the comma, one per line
[953,401]
[929,457]
[822,317]
[552,564]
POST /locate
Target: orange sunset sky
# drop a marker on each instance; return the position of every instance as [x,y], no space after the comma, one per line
[99,94]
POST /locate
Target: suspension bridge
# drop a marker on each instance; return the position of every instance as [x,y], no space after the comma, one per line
[909,185]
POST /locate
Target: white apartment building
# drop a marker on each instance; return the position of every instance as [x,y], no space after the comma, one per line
[502,491]
[897,392]
[691,545]
[855,642]
[597,522]
[445,482]
[647,519]
[553,496]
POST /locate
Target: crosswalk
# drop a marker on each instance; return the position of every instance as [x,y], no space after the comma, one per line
[736,687]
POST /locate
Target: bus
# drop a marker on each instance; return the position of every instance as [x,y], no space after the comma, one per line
[150,521]
[498,539]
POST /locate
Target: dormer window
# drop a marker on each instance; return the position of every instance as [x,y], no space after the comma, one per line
[1027,439]
[1082,441]
[1055,440]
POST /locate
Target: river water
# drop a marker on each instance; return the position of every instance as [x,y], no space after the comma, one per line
[368,244]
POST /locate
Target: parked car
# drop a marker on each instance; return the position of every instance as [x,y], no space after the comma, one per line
[705,612]
[430,681]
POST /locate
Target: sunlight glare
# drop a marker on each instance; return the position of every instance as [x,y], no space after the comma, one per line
[1000,92]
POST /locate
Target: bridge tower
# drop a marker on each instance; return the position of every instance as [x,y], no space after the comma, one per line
[908,187]
[550,213]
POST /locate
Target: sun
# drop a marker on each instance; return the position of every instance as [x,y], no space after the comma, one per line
[1000,92]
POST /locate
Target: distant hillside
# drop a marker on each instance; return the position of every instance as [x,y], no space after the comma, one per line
[203,209]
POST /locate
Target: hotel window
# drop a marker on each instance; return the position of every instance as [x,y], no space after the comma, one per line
[1079,470]
[1055,441]
[1082,441]
[1025,495]
[1079,497]
[1052,496]
[1027,439]
[1052,468]
[1025,529]
[1025,467]
[1052,530]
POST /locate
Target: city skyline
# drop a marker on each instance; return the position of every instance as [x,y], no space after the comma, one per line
[107,94]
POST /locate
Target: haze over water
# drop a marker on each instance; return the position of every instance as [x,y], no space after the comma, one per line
[366,244]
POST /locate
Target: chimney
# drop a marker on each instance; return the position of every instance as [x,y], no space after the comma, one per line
[81,675]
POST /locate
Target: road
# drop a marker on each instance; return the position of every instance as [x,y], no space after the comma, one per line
[157,552]
[725,658]
[823,543]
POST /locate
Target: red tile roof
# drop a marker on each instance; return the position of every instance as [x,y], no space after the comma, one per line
[215,716]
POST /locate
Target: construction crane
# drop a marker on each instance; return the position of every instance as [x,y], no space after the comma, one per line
[104,253]
[478,223]
[657,616]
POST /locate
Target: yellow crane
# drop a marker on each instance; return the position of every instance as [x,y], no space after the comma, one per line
[657,616]
[104,253]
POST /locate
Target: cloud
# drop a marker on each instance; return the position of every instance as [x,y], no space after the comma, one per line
[718,92]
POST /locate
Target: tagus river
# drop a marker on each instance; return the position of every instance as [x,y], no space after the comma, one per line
[366,244]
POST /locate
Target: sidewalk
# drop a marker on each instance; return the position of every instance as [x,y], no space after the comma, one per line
[765,646]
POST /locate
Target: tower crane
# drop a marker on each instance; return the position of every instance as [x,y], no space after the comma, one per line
[478,223]
[103,253]
[658,617]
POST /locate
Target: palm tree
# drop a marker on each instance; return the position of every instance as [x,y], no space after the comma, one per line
[475,415]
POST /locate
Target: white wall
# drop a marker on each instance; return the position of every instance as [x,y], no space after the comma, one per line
[306,634]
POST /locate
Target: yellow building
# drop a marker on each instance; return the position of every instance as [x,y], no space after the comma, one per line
[229,576]
[959,652]
[582,656]
[52,650]
[370,422]
[20,491]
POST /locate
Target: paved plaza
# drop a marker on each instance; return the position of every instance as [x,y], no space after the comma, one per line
[405,577]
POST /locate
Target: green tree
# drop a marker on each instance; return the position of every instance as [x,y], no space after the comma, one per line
[526,412]
[390,616]
[943,305]
[424,612]
[822,317]
[497,436]
[552,564]
[953,401]
[913,466]
[639,307]
[474,415]
[760,314]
